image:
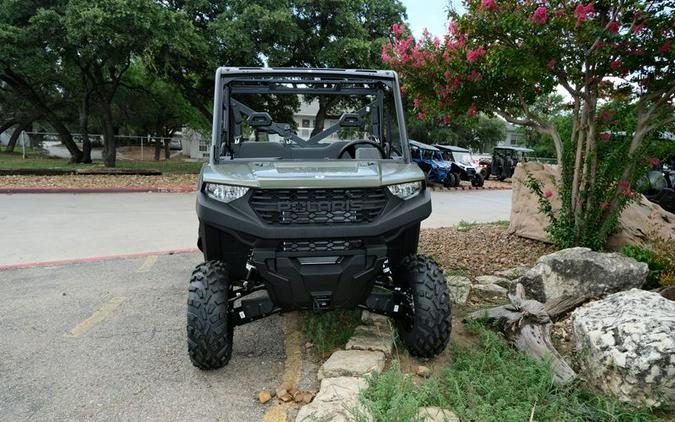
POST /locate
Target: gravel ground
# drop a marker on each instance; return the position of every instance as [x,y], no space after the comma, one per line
[100,181]
[480,249]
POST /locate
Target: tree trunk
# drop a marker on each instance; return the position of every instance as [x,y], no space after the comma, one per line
[320,120]
[527,325]
[8,124]
[109,146]
[158,149]
[84,129]
[15,135]
[167,150]
[23,89]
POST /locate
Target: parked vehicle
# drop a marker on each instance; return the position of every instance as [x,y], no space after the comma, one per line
[431,161]
[659,187]
[318,222]
[505,158]
[463,166]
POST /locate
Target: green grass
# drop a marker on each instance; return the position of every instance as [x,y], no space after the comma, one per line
[38,160]
[465,226]
[493,382]
[330,330]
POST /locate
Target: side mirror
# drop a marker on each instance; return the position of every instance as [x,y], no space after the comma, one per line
[350,120]
[259,119]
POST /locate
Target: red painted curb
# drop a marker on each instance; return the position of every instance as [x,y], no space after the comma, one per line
[94,259]
[57,189]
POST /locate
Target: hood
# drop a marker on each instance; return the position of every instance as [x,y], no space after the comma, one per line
[311,174]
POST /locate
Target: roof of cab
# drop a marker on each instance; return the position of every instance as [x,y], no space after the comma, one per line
[514,148]
[451,148]
[422,146]
[281,71]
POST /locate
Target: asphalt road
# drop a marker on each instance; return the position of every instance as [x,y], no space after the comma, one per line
[49,227]
[107,341]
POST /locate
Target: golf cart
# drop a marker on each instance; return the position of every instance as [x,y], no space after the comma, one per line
[505,158]
[463,166]
[431,162]
[317,219]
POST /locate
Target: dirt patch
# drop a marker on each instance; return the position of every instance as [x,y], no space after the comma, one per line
[480,249]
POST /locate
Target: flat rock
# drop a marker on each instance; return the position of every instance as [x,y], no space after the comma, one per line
[369,318]
[459,287]
[435,414]
[489,291]
[352,363]
[493,279]
[627,346]
[581,272]
[372,337]
[336,401]
[512,273]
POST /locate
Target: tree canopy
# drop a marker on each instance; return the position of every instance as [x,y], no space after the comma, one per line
[503,56]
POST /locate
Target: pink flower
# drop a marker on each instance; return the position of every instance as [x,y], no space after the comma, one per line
[446,120]
[616,64]
[606,116]
[385,56]
[416,102]
[539,16]
[446,75]
[665,48]
[474,76]
[421,116]
[548,194]
[613,27]
[637,29]
[471,112]
[398,28]
[551,64]
[581,12]
[605,136]
[453,27]
[473,55]
[604,205]
[488,4]
[654,162]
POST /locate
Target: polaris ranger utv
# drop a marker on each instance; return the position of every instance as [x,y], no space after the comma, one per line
[310,201]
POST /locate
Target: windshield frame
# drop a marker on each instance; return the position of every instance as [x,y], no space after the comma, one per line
[233,80]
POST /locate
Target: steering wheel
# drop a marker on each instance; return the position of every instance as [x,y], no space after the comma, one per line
[352,144]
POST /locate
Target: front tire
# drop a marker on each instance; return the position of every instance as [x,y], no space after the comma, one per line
[209,333]
[477,181]
[427,332]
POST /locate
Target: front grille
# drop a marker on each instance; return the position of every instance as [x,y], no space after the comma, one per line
[318,206]
[320,245]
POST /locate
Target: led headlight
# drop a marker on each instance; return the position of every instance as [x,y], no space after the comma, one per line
[406,190]
[224,193]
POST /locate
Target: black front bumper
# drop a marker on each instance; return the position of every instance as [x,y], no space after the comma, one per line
[325,274]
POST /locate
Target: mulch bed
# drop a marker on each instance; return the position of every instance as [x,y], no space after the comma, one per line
[163,182]
[480,249]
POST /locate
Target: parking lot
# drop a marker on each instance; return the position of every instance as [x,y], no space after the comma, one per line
[106,340]
[103,337]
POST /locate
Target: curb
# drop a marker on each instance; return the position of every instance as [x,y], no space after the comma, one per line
[56,189]
[94,259]
[463,188]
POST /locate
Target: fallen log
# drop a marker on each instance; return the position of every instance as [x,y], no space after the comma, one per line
[527,325]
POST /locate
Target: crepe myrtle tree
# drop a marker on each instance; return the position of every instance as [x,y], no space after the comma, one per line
[503,56]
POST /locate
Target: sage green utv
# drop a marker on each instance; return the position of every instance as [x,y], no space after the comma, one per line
[310,201]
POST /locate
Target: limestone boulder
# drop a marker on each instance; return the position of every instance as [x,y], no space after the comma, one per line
[336,401]
[581,272]
[459,287]
[639,222]
[626,346]
[352,363]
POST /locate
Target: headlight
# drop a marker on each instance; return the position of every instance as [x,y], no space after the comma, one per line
[406,190]
[224,193]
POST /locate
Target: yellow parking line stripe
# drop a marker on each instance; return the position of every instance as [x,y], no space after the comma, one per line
[147,264]
[96,318]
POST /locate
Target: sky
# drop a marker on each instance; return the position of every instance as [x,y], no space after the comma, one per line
[430,14]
